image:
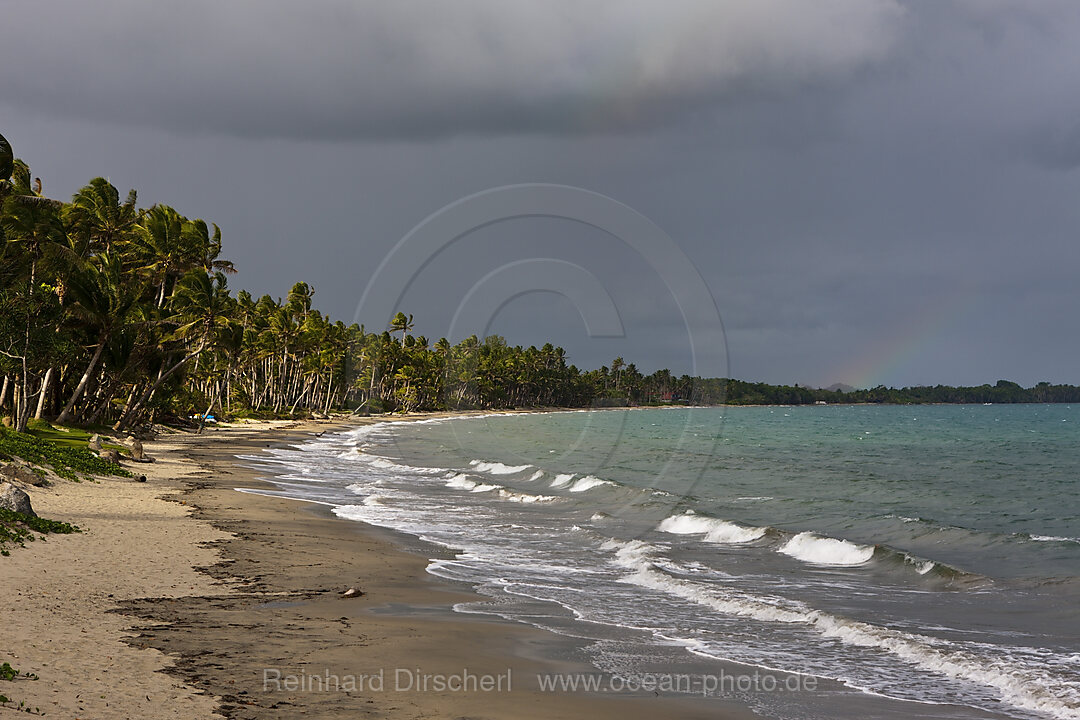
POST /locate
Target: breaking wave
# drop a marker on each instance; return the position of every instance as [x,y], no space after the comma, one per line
[811,548]
[713,530]
[497,468]
[588,483]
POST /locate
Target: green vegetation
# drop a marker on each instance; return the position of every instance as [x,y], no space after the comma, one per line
[8,673]
[117,316]
[71,437]
[67,461]
[17,528]
[744,393]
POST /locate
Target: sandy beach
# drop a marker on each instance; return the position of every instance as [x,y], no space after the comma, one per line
[186,598]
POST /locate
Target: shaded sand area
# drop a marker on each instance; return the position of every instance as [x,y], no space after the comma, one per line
[214,603]
[58,594]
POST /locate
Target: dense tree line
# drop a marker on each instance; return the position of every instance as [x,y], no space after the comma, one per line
[623,384]
[743,393]
[119,315]
[111,313]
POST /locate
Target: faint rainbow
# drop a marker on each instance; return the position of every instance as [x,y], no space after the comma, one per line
[876,364]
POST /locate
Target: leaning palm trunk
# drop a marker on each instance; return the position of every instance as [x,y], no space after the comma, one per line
[84,381]
[130,401]
[209,409]
[307,386]
[131,412]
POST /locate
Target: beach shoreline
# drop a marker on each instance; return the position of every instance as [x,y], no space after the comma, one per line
[254,624]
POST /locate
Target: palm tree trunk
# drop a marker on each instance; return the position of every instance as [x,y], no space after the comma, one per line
[329,397]
[102,400]
[213,402]
[307,386]
[104,406]
[63,416]
[22,405]
[126,416]
[43,393]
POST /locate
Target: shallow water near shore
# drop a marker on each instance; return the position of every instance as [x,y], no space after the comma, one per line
[921,561]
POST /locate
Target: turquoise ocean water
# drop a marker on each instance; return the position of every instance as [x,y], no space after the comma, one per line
[922,561]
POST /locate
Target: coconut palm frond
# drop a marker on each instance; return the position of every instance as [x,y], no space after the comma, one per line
[7,159]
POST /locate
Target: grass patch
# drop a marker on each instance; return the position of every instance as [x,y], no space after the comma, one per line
[18,529]
[67,459]
[70,437]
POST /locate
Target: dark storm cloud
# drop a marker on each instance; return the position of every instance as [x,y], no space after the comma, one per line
[347,69]
[996,75]
[874,191]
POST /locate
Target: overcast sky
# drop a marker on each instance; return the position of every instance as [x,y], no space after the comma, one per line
[874,191]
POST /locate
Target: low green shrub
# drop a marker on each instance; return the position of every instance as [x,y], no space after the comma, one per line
[17,528]
[67,462]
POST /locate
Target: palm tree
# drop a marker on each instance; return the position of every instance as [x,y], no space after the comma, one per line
[96,212]
[617,366]
[203,311]
[199,237]
[103,297]
[403,324]
[228,340]
[7,161]
[299,299]
[168,245]
[33,230]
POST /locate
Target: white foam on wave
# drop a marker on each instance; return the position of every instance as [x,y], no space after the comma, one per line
[382,463]
[525,498]
[536,476]
[632,554]
[921,565]
[497,468]
[351,512]
[811,548]
[562,480]
[461,482]
[588,483]
[1054,538]
[714,530]
[1021,685]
